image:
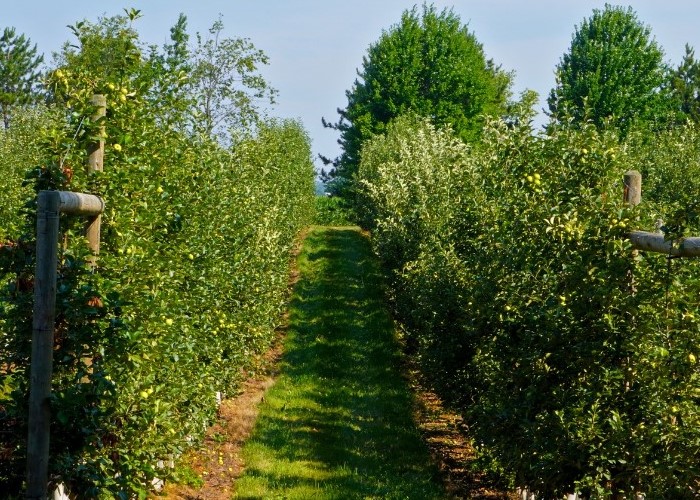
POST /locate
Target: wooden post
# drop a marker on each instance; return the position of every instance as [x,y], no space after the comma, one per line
[656,242]
[80,204]
[632,196]
[42,343]
[96,152]
[633,188]
[49,206]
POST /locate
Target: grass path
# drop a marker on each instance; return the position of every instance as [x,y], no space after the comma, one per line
[338,421]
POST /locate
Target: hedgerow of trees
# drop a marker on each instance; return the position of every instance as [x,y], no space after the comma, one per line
[511,269]
[193,270]
[573,359]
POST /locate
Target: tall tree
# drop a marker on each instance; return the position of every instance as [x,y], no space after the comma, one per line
[429,64]
[226,83]
[19,72]
[613,71]
[172,67]
[104,54]
[210,87]
[684,83]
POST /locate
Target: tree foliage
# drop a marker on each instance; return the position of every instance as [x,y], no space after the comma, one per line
[684,83]
[509,266]
[19,72]
[227,85]
[429,64]
[613,70]
[173,65]
[210,88]
[192,271]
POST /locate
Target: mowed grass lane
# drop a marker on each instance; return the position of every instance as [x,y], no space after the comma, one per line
[338,422]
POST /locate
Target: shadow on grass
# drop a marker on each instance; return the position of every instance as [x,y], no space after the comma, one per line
[338,423]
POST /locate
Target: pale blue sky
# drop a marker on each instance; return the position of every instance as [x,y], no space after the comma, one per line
[315,46]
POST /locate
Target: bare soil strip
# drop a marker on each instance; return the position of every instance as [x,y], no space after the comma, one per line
[218,462]
[445,434]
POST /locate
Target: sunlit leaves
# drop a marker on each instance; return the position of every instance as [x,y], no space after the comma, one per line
[573,358]
[612,73]
[428,64]
[193,265]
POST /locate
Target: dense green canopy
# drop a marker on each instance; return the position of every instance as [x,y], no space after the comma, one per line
[684,83]
[613,70]
[19,71]
[429,64]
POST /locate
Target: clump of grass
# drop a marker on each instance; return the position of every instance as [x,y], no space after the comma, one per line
[338,422]
[187,476]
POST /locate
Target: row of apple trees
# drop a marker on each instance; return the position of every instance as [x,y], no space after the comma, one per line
[203,205]
[572,358]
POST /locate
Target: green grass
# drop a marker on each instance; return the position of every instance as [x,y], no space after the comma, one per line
[338,422]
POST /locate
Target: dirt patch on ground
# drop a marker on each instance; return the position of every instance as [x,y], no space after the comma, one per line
[444,433]
[218,462]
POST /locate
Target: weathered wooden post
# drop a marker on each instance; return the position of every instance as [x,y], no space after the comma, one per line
[632,196]
[50,205]
[633,188]
[42,343]
[95,163]
[655,242]
[96,150]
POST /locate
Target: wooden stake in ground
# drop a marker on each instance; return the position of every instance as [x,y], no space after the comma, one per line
[632,196]
[96,152]
[42,343]
[633,188]
[50,205]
